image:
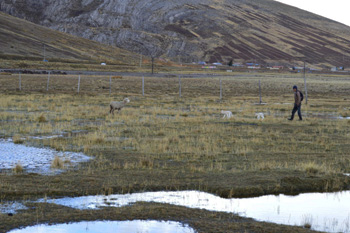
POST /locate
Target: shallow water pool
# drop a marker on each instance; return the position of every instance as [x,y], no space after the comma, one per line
[33,159]
[328,212]
[135,226]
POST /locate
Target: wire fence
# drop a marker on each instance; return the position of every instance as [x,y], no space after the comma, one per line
[219,88]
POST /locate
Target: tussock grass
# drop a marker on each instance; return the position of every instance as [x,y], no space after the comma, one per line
[41,119]
[18,169]
[17,139]
[57,163]
[312,168]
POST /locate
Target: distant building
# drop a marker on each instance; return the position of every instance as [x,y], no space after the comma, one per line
[237,65]
[341,68]
[297,68]
[276,68]
[253,67]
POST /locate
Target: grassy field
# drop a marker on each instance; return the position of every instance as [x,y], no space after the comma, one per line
[163,142]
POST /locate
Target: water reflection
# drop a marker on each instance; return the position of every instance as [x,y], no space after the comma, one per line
[135,226]
[323,211]
[33,159]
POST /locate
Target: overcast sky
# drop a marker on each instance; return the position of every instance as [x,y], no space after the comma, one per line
[338,10]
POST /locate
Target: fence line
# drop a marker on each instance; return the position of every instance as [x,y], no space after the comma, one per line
[213,86]
[110,85]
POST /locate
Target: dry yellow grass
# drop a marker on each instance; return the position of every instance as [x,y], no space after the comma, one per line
[162,133]
[57,163]
[18,169]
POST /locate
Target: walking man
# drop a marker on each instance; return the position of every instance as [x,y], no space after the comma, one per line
[298,97]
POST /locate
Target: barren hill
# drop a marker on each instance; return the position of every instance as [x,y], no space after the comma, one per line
[192,30]
[22,39]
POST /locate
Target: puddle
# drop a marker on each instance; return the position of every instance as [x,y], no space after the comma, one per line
[33,159]
[323,211]
[11,207]
[135,226]
[42,137]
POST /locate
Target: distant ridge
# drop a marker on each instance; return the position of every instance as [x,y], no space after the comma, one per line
[195,30]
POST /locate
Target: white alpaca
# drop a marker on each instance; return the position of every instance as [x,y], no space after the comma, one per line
[118,105]
[227,114]
[260,115]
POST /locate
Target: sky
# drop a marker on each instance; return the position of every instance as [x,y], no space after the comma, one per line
[337,10]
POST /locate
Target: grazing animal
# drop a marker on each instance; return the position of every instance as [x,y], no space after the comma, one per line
[260,115]
[118,105]
[227,114]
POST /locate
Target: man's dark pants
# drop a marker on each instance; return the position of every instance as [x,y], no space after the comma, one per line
[295,109]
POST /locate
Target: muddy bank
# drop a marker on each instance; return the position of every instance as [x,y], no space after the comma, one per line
[200,220]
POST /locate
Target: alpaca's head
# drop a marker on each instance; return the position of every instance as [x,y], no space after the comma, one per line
[222,111]
[126,100]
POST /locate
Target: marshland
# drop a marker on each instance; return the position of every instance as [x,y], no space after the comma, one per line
[164,142]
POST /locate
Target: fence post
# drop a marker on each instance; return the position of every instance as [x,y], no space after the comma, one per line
[110,85]
[220,89]
[305,83]
[152,65]
[79,84]
[20,82]
[48,82]
[180,86]
[260,91]
[143,86]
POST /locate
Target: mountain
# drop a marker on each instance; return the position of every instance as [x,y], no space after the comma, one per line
[193,30]
[20,39]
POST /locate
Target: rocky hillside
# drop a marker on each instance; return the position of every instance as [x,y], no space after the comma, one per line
[192,30]
[20,39]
